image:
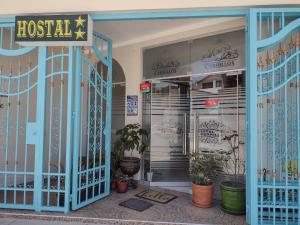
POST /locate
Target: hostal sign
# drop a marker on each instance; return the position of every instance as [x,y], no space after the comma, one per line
[54,30]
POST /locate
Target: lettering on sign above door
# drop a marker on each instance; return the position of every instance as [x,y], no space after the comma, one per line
[54,30]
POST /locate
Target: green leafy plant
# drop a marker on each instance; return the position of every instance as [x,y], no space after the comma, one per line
[233,164]
[131,137]
[204,168]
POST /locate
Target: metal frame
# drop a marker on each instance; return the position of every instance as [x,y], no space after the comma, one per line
[48,72]
[251,49]
[273,114]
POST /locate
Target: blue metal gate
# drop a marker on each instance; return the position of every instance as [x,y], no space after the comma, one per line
[274,116]
[92,126]
[53,104]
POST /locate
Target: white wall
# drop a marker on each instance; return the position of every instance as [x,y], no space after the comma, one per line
[12,7]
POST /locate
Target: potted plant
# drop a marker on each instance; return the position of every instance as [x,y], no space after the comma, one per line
[203,168]
[122,184]
[233,191]
[114,167]
[131,137]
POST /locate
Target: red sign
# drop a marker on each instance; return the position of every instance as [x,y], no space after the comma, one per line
[145,87]
[212,102]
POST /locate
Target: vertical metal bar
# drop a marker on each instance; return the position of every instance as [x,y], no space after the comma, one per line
[89,78]
[81,127]
[298,124]
[108,118]
[273,142]
[17,135]
[101,132]
[88,122]
[184,133]
[286,139]
[77,105]
[95,125]
[26,121]
[39,148]
[252,113]
[7,137]
[60,122]
[247,154]
[69,132]
[261,144]
[50,128]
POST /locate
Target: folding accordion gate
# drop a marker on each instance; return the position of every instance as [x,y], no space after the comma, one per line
[274,116]
[55,106]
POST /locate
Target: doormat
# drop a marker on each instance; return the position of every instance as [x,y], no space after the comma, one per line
[156,196]
[136,204]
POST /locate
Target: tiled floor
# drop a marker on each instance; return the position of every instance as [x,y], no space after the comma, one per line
[10,221]
[108,211]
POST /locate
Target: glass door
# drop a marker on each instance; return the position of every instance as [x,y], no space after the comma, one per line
[193,114]
[217,107]
[170,107]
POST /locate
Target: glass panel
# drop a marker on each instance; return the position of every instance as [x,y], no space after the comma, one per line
[216,110]
[166,61]
[218,53]
[169,106]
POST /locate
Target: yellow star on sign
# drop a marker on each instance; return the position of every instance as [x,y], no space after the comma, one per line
[80,22]
[79,34]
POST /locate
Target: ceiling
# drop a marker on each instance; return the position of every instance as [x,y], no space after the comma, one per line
[136,31]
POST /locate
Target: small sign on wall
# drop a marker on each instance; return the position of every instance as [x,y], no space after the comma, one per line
[212,103]
[132,105]
[54,30]
[145,87]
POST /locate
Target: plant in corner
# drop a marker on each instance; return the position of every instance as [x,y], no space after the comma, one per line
[131,137]
[203,168]
[233,191]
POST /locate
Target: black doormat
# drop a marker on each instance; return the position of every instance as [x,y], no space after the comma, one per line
[136,204]
[156,196]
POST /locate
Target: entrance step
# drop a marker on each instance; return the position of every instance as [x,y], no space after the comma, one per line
[74,220]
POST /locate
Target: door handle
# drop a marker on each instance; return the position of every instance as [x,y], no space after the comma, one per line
[195,133]
[184,135]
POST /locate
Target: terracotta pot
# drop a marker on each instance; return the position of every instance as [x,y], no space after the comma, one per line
[202,195]
[130,165]
[122,186]
[113,184]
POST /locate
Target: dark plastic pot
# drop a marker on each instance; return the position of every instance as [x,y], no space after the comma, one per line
[113,184]
[130,165]
[233,198]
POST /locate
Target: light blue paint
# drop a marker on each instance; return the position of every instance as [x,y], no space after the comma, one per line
[252,118]
[40,120]
[69,130]
[76,117]
[168,14]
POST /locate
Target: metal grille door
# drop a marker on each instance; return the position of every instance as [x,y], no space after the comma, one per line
[18,108]
[274,112]
[92,126]
[53,102]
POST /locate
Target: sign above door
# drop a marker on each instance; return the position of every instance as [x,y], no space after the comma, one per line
[54,30]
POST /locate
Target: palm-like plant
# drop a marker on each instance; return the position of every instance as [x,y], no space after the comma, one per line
[131,137]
